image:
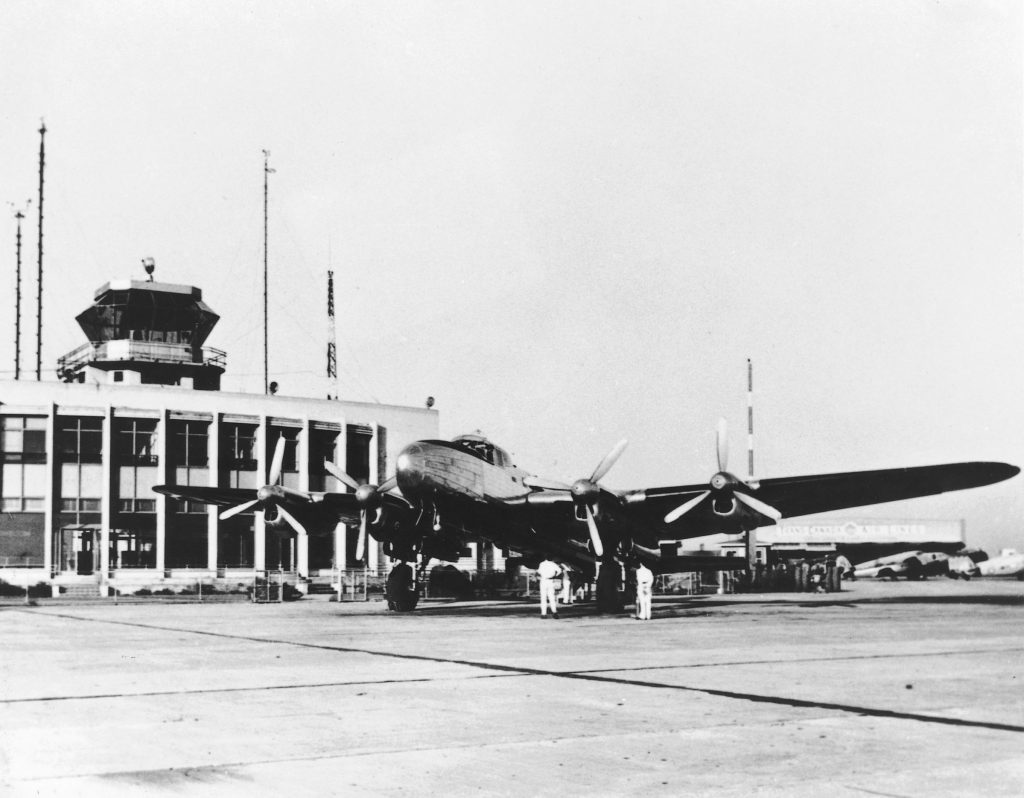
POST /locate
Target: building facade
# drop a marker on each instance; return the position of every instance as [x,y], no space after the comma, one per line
[140,406]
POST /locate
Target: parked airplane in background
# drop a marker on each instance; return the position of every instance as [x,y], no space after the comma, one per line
[1010,562]
[910,564]
[454,491]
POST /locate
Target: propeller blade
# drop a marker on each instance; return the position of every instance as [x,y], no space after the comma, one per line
[292,521]
[546,484]
[340,475]
[388,484]
[238,508]
[683,509]
[609,460]
[361,543]
[723,444]
[757,504]
[277,462]
[595,536]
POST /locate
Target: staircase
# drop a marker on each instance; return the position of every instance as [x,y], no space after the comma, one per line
[80,591]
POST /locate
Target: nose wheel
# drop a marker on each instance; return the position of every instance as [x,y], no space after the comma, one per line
[400,589]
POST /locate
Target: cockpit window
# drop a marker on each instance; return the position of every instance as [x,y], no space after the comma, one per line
[483,449]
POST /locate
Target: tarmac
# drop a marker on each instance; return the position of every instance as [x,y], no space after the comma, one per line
[891,689]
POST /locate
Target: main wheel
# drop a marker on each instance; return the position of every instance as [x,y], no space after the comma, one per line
[609,593]
[399,590]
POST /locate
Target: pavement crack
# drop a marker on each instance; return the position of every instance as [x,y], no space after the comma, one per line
[587,676]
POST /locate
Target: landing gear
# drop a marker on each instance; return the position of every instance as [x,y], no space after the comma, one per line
[400,590]
[609,588]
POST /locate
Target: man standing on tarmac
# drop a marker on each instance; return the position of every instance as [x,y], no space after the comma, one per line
[547,571]
[644,588]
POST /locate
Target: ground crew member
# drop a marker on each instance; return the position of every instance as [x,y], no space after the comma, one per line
[644,588]
[547,571]
[567,590]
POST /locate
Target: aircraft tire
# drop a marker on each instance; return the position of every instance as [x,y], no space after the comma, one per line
[609,593]
[400,593]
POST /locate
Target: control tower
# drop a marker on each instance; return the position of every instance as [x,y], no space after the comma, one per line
[146,333]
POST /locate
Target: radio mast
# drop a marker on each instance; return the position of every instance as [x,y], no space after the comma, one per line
[17,297]
[750,420]
[39,304]
[266,172]
[332,350]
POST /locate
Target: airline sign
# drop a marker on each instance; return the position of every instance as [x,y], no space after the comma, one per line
[869,532]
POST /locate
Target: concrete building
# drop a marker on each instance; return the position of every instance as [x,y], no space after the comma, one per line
[139,405]
[857,539]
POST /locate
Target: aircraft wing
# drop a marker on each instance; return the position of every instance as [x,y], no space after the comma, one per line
[207,495]
[816,493]
[345,506]
[826,492]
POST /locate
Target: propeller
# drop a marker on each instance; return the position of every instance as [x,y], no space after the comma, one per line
[585,491]
[271,494]
[723,484]
[369,497]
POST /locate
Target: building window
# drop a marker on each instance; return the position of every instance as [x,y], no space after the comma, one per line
[183,506]
[189,444]
[23,439]
[290,461]
[79,505]
[239,447]
[136,505]
[322,446]
[118,376]
[136,441]
[23,488]
[80,439]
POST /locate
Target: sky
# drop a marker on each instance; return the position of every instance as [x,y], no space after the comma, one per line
[569,222]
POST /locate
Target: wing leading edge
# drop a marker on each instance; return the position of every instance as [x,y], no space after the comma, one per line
[814,493]
[826,492]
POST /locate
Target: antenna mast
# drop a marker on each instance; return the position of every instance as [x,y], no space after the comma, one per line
[332,351]
[39,304]
[750,420]
[266,172]
[17,299]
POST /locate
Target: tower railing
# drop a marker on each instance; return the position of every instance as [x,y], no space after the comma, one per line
[147,351]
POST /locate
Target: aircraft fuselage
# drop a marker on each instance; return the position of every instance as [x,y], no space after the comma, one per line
[428,468]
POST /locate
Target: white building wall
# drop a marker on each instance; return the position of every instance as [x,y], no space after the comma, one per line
[51,399]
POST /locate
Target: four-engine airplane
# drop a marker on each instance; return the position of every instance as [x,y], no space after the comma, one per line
[468,488]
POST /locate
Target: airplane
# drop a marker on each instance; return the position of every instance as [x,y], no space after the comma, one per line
[913,565]
[1010,562]
[468,488]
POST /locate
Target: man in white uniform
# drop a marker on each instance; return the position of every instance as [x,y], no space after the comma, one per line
[547,571]
[644,587]
[567,590]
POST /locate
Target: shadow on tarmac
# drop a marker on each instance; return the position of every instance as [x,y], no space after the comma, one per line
[692,605]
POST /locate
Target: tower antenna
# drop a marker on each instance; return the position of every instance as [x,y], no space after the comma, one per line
[332,350]
[750,420]
[266,172]
[39,304]
[17,296]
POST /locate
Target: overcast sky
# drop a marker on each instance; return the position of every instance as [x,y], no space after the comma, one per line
[569,222]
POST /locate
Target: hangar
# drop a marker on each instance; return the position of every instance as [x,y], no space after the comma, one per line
[857,539]
[139,405]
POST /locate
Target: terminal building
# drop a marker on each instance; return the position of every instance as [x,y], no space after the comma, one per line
[857,540]
[140,405]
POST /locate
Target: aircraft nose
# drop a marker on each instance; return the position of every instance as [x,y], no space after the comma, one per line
[409,466]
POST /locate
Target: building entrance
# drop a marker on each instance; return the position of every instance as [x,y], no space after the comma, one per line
[76,549]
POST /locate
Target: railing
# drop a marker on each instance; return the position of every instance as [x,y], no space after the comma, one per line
[148,351]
